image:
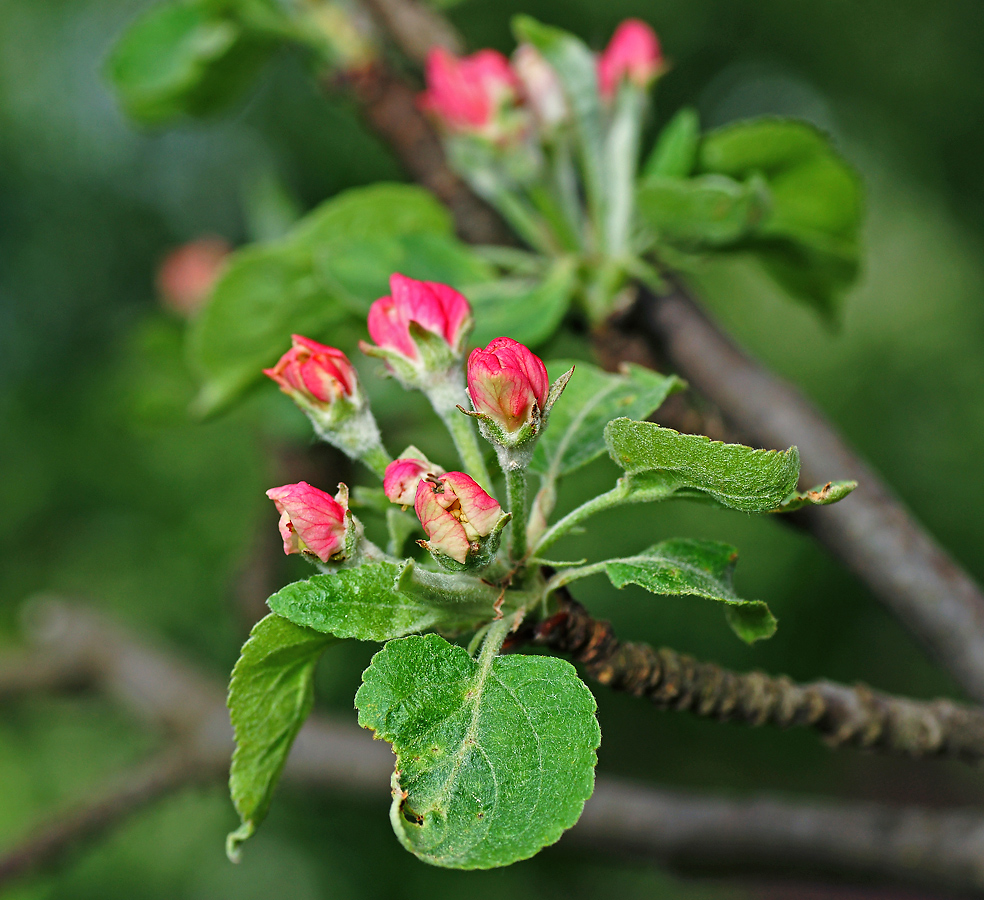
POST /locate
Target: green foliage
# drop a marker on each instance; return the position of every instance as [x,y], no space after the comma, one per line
[732,475]
[495,758]
[809,241]
[710,210]
[270,696]
[675,153]
[269,291]
[376,602]
[592,398]
[183,58]
[695,568]
[526,311]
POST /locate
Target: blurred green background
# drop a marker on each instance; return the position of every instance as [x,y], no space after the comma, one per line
[111,493]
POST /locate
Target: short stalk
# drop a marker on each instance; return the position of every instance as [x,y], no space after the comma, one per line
[495,637]
[516,500]
[446,396]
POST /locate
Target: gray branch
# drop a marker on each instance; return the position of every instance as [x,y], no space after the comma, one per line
[907,844]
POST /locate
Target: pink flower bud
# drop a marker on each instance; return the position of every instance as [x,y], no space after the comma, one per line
[541,87]
[311,520]
[314,375]
[508,383]
[404,474]
[471,94]
[457,515]
[633,53]
[187,275]
[432,307]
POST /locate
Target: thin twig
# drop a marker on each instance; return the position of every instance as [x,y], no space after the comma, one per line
[873,532]
[845,716]
[131,791]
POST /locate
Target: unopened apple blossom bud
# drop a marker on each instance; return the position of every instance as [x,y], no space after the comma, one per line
[633,55]
[405,473]
[541,88]
[462,522]
[187,275]
[511,397]
[419,330]
[474,95]
[311,521]
[324,384]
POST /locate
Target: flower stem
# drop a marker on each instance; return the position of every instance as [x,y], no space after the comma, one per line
[445,396]
[598,504]
[516,500]
[494,639]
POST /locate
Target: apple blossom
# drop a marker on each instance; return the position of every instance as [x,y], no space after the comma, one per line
[311,521]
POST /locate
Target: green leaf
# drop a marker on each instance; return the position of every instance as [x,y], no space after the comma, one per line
[494,760]
[269,291]
[576,68]
[179,59]
[266,293]
[809,241]
[675,152]
[695,568]
[365,603]
[359,269]
[528,314]
[821,495]
[270,696]
[711,210]
[733,475]
[575,432]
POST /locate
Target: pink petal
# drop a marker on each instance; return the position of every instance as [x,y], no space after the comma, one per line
[445,533]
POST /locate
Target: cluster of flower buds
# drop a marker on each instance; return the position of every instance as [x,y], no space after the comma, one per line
[486,96]
[419,330]
[463,523]
[511,398]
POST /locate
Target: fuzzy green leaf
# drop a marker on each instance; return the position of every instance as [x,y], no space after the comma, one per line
[181,59]
[710,210]
[575,432]
[821,495]
[809,241]
[733,475]
[270,696]
[695,568]
[675,152]
[367,604]
[494,761]
[527,313]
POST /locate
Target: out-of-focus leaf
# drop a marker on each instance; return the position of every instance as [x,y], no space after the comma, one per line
[695,568]
[733,475]
[182,59]
[710,210]
[675,153]
[269,291]
[494,760]
[528,314]
[575,432]
[270,696]
[809,241]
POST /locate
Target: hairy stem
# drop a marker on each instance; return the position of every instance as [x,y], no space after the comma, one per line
[446,396]
[575,517]
[516,500]
[845,716]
